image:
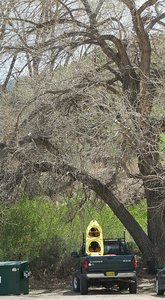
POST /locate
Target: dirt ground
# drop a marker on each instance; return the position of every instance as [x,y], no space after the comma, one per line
[61,290]
[146,282]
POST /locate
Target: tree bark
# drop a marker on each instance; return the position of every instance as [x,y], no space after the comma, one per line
[153,176]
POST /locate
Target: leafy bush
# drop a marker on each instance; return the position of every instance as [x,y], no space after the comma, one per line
[51,260]
[26,227]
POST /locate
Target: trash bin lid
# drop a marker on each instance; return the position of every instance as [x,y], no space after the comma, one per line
[12,263]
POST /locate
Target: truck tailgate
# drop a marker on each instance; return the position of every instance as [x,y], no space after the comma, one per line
[117,263]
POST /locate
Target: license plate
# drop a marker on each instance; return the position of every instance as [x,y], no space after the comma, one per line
[110,274]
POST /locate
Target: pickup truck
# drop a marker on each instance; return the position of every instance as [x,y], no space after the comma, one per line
[116,268]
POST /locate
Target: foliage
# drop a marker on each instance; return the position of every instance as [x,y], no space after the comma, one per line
[27,225]
[42,231]
[139,213]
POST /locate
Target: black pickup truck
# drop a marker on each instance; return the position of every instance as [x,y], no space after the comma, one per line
[117,267]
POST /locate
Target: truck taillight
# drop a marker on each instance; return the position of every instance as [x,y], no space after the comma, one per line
[86,263]
[134,262]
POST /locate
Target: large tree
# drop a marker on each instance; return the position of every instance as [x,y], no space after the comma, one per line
[96,101]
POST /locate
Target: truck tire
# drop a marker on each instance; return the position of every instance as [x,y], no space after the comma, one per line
[75,283]
[158,291]
[133,287]
[83,285]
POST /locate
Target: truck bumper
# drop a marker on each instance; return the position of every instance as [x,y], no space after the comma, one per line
[117,276]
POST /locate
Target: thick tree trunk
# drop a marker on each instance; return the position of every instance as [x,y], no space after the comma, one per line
[154,185]
[156,222]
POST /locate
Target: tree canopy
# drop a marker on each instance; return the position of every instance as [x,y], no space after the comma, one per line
[89,104]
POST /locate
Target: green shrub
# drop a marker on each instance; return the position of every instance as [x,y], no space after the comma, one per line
[26,227]
[51,260]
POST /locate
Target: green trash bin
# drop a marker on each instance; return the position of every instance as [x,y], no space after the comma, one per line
[14,277]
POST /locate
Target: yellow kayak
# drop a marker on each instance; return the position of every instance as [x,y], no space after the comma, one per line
[94,239]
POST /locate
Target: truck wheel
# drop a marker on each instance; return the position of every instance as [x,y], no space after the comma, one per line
[158,291]
[83,285]
[133,287]
[75,284]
